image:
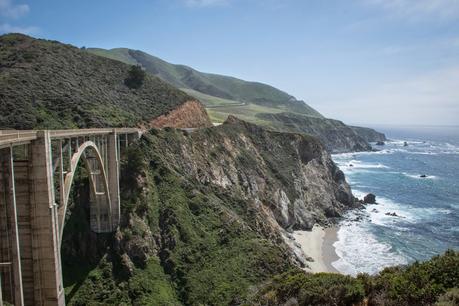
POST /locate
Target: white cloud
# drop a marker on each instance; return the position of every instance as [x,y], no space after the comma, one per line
[419,9]
[10,10]
[431,98]
[201,3]
[14,11]
[7,28]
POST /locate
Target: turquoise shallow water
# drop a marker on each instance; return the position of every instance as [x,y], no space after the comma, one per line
[428,208]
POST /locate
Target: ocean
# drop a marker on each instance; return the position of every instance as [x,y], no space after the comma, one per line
[427,209]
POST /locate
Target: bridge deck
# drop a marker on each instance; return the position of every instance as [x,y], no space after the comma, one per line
[19,137]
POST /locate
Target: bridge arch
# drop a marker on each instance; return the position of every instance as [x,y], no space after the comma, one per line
[101,208]
[43,165]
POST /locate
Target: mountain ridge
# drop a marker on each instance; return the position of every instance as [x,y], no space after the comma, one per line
[254,102]
[183,76]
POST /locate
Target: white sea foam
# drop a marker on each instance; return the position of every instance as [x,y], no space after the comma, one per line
[418,176]
[377,212]
[355,165]
[359,251]
[361,245]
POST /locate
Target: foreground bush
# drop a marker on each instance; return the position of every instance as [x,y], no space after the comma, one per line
[300,288]
[434,282]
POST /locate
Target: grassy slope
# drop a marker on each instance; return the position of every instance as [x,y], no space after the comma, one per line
[250,101]
[215,88]
[46,84]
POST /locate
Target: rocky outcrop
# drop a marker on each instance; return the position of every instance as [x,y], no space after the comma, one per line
[369,199]
[291,175]
[370,135]
[190,114]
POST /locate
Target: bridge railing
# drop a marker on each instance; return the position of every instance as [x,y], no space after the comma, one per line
[18,137]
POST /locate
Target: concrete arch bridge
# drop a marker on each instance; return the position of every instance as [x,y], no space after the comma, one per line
[37,169]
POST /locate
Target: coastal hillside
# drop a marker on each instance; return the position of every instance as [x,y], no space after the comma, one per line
[47,84]
[205,217]
[336,136]
[370,135]
[214,90]
[250,101]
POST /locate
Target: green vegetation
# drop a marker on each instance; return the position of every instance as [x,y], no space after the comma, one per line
[185,241]
[46,84]
[311,289]
[250,101]
[426,283]
[181,242]
[135,77]
[212,89]
[247,112]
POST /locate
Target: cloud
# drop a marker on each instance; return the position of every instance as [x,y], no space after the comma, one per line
[7,28]
[14,11]
[430,98]
[416,10]
[203,3]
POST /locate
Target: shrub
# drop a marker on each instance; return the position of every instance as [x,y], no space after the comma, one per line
[135,78]
[450,298]
[417,284]
[312,289]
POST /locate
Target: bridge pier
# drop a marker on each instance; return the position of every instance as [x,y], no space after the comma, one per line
[49,289]
[113,169]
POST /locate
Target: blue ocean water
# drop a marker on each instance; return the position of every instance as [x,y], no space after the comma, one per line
[427,209]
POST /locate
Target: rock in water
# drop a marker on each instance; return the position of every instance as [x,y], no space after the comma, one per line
[423,176]
[369,199]
[405,144]
[380,143]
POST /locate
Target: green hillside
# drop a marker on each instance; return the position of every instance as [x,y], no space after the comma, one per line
[250,101]
[46,84]
[218,89]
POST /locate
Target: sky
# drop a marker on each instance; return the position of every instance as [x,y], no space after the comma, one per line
[360,61]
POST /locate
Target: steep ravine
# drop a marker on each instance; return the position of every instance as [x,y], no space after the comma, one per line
[205,215]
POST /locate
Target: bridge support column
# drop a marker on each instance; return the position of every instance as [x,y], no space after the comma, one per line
[10,231]
[46,247]
[113,178]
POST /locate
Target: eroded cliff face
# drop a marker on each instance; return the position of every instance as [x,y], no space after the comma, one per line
[206,214]
[289,175]
[190,114]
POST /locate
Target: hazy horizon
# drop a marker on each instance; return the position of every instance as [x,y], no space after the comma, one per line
[363,62]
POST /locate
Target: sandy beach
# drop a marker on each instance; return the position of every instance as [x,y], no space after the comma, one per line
[318,244]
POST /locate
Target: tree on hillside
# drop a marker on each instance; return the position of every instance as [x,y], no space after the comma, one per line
[136,76]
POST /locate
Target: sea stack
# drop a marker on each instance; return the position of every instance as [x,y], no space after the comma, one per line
[369,199]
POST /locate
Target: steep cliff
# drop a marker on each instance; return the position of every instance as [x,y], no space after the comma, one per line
[206,214]
[47,84]
[368,134]
[336,136]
